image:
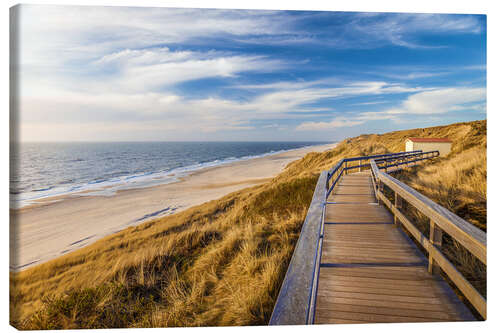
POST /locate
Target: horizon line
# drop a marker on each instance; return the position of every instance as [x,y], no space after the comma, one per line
[170,141]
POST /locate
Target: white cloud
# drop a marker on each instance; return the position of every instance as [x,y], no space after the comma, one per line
[321,126]
[138,71]
[370,103]
[430,102]
[440,101]
[53,34]
[139,57]
[293,100]
[401,29]
[169,73]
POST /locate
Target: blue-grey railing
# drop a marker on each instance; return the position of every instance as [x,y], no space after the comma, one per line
[297,297]
[402,160]
[343,166]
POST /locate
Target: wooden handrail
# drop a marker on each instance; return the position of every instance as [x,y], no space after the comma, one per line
[294,300]
[469,236]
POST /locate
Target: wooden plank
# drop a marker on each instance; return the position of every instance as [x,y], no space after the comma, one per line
[389,311]
[364,250]
[353,190]
[326,302]
[422,288]
[393,240]
[363,245]
[352,259]
[364,230]
[353,231]
[345,321]
[396,248]
[401,292]
[398,273]
[356,213]
[401,277]
[359,184]
[351,198]
[376,318]
[388,280]
[369,296]
[335,256]
[453,310]
[353,183]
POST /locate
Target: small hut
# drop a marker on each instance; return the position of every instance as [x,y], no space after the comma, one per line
[429,144]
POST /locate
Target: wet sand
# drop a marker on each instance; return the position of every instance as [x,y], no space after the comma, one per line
[62,224]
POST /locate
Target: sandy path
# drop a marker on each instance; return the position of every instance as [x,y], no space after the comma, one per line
[43,232]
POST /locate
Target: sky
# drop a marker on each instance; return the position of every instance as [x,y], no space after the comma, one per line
[165,74]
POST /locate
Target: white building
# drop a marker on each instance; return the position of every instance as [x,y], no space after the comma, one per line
[429,144]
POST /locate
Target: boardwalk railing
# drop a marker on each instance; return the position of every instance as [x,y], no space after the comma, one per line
[441,220]
[411,158]
[297,297]
[388,160]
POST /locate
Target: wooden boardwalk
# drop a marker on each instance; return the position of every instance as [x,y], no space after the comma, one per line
[370,271]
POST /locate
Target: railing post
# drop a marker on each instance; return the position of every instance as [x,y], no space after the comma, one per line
[359,165]
[436,239]
[346,165]
[398,203]
[380,188]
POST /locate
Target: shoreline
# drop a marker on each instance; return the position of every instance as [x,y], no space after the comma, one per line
[109,187]
[72,221]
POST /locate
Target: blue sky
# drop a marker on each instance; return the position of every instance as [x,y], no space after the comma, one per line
[153,74]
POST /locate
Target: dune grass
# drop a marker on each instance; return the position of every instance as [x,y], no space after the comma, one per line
[222,263]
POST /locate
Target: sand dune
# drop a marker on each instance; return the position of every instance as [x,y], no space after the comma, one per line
[54,227]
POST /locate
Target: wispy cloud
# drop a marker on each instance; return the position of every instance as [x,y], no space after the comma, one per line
[403,29]
[371,103]
[99,30]
[426,103]
[152,69]
[440,101]
[335,123]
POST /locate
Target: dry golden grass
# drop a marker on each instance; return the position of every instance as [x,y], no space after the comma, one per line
[216,264]
[221,263]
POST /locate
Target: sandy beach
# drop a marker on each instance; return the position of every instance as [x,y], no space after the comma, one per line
[63,224]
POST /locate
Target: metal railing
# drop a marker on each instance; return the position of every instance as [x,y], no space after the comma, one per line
[397,159]
[405,159]
[297,298]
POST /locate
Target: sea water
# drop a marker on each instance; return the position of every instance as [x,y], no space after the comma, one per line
[44,170]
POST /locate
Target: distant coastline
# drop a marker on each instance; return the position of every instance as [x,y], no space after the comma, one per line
[124,180]
[57,225]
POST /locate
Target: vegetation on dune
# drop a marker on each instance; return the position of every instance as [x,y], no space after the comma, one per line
[222,263]
[216,264]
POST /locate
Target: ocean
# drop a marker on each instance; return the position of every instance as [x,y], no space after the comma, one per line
[44,170]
